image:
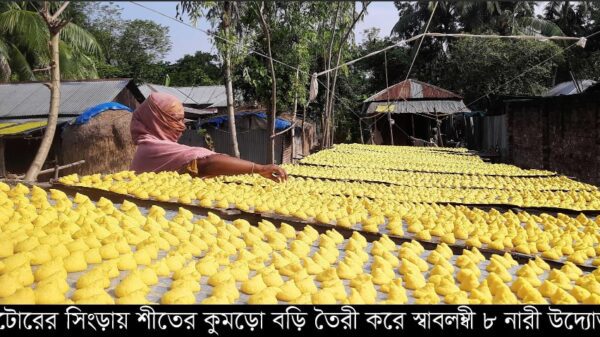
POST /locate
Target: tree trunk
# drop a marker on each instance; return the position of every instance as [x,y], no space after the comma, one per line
[325,119]
[362,137]
[329,112]
[293,130]
[303,130]
[273,105]
[331,92]
[48,137]
[230,109]
[389,114]
[228,85]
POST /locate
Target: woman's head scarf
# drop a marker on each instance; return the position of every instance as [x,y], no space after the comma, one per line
[156,125]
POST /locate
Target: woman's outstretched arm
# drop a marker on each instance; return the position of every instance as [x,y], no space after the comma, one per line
[221,164]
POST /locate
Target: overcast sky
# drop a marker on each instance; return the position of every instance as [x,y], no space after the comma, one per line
[186,40]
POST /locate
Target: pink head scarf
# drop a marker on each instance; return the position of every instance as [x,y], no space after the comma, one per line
[156,126]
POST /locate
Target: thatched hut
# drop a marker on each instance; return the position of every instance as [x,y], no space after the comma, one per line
[104,142]
[24,110]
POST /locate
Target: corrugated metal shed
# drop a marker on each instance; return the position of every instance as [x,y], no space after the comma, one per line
[32,99]
[218,121]
[207,111]
[569,88]
[412,89]
[431,106]
[213,96]
[253,144]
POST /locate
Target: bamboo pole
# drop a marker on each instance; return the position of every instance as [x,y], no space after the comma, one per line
[56,168]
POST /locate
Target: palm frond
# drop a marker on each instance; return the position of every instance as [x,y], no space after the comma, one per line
[3,49]
[80,39]
[552,9]
[68,68]
[5,70]
[28,28]
[74,64]
[19,65]
[404,22]
[4,6]
[493,7]
[536,26]
[88,66]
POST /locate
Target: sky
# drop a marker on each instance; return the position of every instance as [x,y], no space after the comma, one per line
[186,40]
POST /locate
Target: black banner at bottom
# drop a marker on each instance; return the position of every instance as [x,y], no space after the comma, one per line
[324,320]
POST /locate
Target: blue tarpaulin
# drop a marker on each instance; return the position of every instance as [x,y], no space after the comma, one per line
[280,123]
[95,110]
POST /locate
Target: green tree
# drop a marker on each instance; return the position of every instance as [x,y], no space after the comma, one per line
[477,17]
[24,40]
[281,31]
[55,24]
[413,16]
[311,36]
[505,67]
[226,16]
[193,70]
[104,21]
[350,16]
[141,45]
[577,18]
[570,16]
[130,48]
[373,68]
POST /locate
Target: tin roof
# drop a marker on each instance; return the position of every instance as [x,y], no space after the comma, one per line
[428,106]
[280,123]
[25,126]
[32,99]
[212,96]
[412,89]
[569,88]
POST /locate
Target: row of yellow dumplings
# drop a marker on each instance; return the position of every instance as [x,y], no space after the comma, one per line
[269,264]
[166,186]
[412,159]
[571,200]
[452,154]
[448,180]
[552,237]
[404,149]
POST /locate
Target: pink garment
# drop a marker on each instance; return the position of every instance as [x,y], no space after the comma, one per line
[156,125]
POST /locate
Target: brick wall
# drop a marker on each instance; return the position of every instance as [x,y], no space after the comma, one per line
[561,134]
[525,136]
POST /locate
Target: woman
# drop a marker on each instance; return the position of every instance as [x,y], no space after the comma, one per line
[156,126]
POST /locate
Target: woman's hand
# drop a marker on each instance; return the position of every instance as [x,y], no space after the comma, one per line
[272,172]
[220,164]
